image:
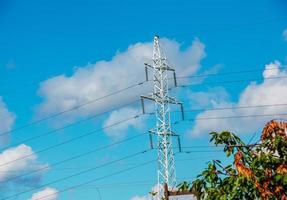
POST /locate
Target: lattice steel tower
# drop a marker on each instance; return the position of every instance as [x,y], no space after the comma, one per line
[166,163]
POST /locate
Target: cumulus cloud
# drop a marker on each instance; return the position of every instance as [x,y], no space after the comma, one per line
[17,161]
[46,194]
[285,34]
[269,92]
[140,198]
[121,115]
[7,120]
[104,77]
[208,98]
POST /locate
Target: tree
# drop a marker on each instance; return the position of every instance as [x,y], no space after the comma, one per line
[259,171]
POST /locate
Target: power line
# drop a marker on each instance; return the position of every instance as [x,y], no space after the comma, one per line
[233,81]
[228,27]
[230,117]
[93,180]
[71,109]
[227,73]
[244,80]
[201,151]
[125,184]
[100,178]
[75,157]
[72,124]
[93,116]
[103,177]
[90,152]
[129,87]
[118,184]
[179,77]
[72,139]
[125,120]
[197,158]
[193,110]
[234,107]
[78,174]
[232,72]
[202,146]
[241,116]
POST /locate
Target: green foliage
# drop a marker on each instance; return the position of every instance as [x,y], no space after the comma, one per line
[259,171]
[184,186]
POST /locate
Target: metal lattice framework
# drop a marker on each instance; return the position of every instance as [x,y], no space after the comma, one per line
[166,163]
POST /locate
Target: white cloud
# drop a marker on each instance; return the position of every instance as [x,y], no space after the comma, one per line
[285,34]
[46,194]
[17,161]
[270,91]
[140,198]
[120,115]
[99,79]
[7,120]
[272,69]
[208,98]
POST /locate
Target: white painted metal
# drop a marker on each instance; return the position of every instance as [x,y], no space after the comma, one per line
[166,163]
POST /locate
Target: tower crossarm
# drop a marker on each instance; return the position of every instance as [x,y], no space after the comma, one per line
[164,67]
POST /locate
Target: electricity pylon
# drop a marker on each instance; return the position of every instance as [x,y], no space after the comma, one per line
[166,162]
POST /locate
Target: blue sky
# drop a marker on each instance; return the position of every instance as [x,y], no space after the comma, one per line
[58,54]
